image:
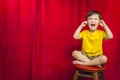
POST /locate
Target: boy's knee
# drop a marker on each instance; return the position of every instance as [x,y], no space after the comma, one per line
[74,53]
[103,59]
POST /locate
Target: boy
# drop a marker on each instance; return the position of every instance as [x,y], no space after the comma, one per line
[91,54]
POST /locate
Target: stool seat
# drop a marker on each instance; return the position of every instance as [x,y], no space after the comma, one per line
[90,68]
[88,72]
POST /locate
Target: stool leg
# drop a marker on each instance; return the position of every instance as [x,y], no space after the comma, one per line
[81,78]
[76,75]
[95,76]
[101,76]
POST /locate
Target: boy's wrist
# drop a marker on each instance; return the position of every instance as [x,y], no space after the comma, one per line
[80,27]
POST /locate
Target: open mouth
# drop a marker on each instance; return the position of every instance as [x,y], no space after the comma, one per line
[92,24]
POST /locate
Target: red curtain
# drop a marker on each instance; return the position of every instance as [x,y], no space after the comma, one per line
[36,37]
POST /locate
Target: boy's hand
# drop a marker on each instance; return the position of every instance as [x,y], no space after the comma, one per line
[102,23]
[84,23]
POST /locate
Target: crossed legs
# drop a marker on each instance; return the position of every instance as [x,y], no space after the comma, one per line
[84,60]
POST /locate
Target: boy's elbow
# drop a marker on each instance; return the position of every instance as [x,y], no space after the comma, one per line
[75,37]
[110,37]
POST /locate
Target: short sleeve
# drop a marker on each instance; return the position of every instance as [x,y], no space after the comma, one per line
[81,34]
[104,35]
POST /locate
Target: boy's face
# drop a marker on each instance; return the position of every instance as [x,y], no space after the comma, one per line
[93,22]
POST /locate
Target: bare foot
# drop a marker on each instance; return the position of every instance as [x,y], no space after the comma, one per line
[77,62]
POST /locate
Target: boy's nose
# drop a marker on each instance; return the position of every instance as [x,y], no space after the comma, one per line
[92,21]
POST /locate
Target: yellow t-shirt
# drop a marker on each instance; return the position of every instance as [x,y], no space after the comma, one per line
[92,42]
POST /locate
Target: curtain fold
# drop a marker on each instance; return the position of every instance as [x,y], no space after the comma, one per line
[36,37]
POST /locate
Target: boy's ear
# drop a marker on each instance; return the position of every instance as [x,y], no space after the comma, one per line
[85,23]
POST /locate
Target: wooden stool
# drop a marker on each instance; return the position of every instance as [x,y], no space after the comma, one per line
[89,72]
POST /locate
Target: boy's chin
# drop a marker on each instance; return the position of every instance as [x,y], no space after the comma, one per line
[93,28]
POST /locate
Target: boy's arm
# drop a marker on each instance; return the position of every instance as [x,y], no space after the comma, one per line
[108,31]
[78,30]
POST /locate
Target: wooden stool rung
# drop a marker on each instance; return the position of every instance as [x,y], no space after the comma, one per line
[85,75]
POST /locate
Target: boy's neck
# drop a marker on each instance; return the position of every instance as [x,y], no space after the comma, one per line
[92,31]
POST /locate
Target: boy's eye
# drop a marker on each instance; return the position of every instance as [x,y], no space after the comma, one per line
[96,18]
[92,18]
[89,18]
